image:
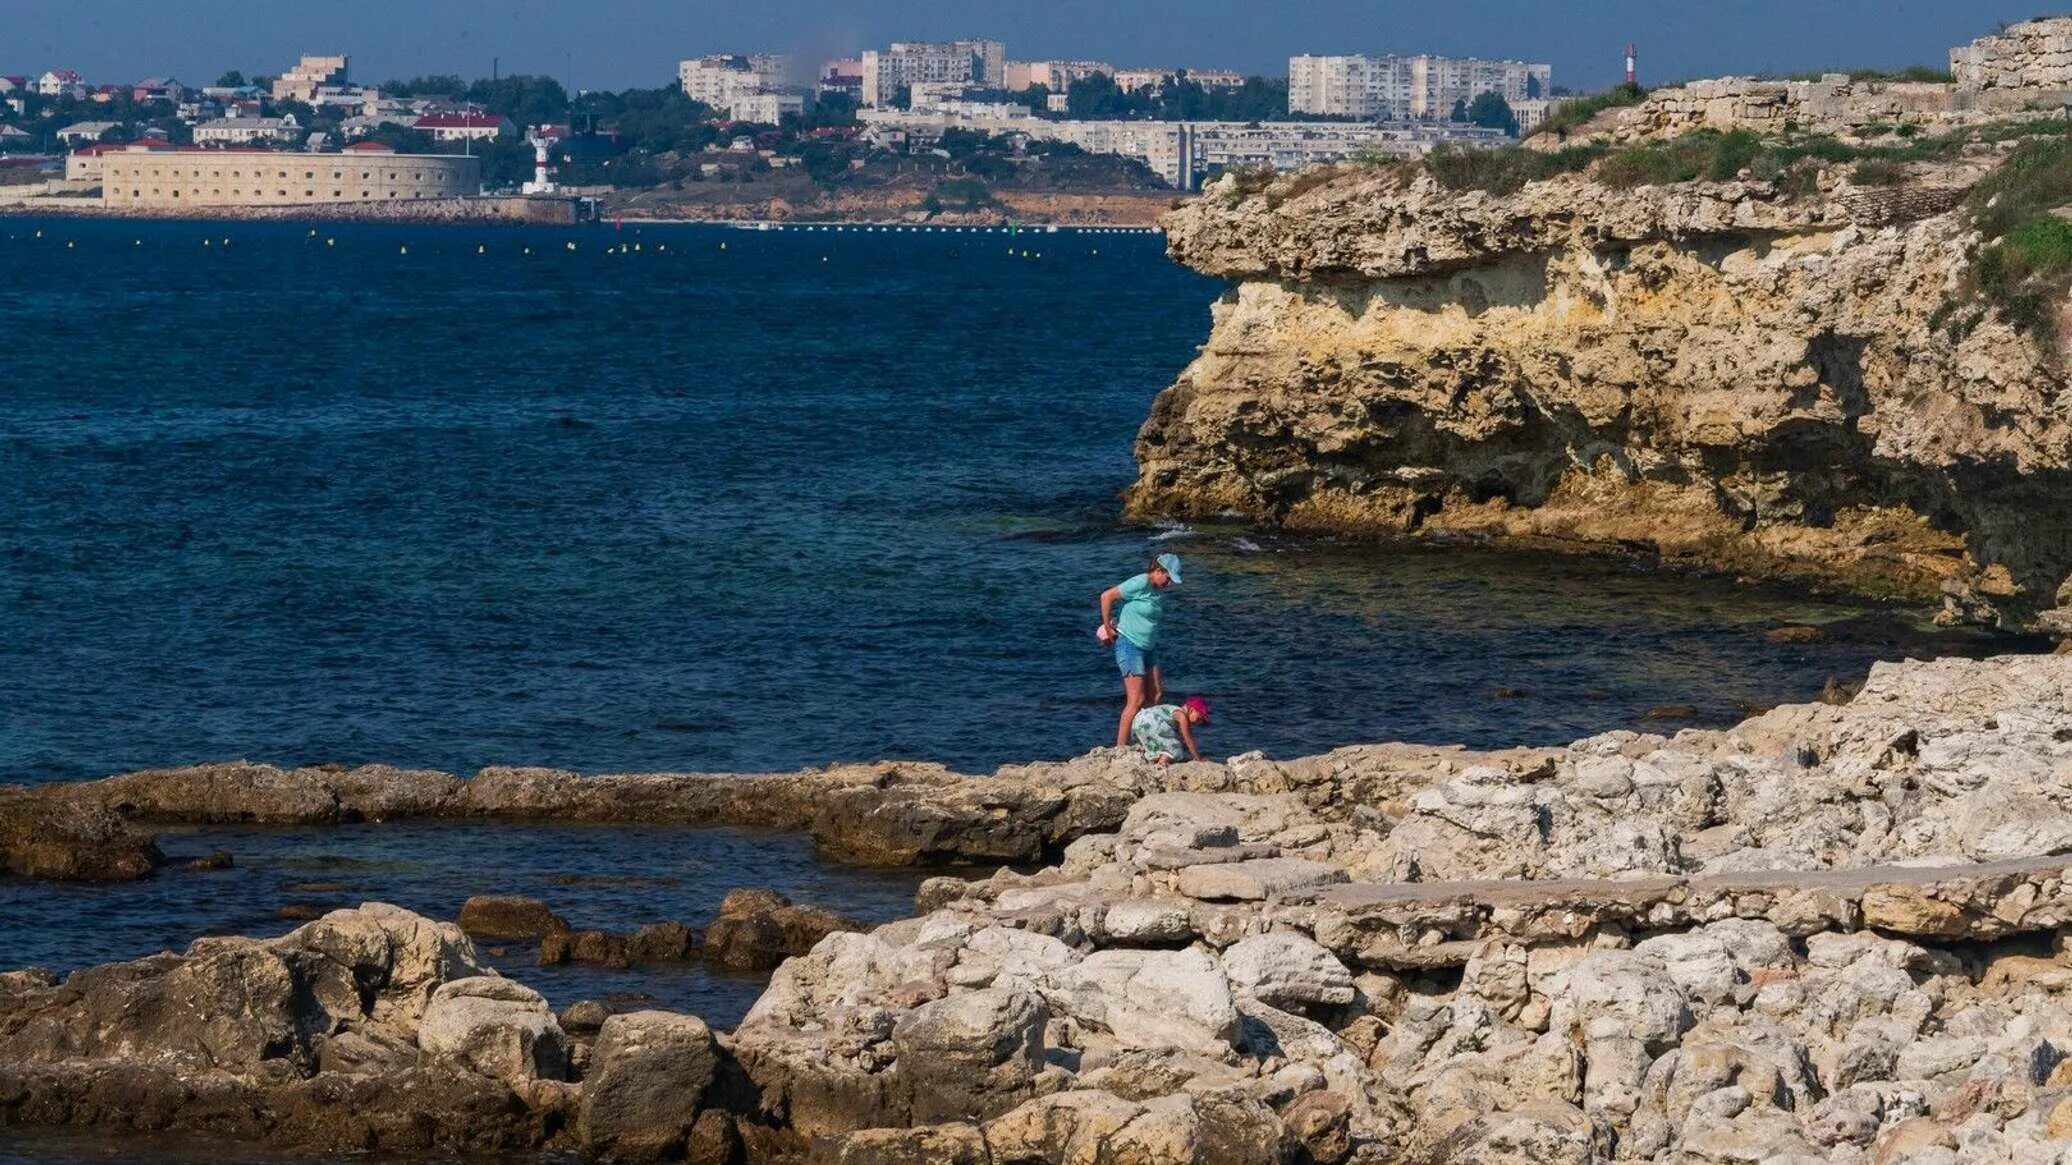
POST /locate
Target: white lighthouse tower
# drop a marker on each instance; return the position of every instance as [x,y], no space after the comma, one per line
[540,184]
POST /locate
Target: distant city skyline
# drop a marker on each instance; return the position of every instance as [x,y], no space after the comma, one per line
[622,43]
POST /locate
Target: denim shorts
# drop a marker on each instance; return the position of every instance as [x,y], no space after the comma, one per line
[1133,660]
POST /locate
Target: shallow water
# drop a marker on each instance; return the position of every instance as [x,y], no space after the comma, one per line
[598,877]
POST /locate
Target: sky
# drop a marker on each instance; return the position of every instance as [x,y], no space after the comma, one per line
[614,44]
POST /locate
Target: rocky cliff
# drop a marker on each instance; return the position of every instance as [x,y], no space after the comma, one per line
[1751,375]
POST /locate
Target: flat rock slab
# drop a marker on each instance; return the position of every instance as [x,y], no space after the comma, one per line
[1426,924]
[1256,880]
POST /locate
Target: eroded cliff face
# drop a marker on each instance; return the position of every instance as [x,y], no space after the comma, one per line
[1724,374]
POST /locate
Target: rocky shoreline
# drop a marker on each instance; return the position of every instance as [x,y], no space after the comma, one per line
[1831,933]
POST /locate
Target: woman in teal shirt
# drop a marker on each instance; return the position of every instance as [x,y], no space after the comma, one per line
[1134,632]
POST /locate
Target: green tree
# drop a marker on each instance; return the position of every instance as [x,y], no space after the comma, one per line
[1532,87]
[524,98]
[231,80]
[1460,110]
[832,110]
[433,85]
[1036,97]
[1491,111]
[826,162]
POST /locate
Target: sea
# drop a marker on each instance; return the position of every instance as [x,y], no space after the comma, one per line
[695,498]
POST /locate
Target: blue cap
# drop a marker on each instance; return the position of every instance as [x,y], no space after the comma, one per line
[1171,562]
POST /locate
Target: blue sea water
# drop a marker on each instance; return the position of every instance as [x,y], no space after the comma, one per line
[733,500]
[698,498]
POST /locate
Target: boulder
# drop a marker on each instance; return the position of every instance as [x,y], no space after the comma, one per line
[1151,999]
[585,946]
[758,929]
[1064,1126]
[496,1027]
[650,1075]
[662,942]
[1287,970]
[973,1054]
[508,918]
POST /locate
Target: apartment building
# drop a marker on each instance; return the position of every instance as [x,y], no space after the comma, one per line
[1056,76]
[1185,152]
[718,79]
[980,64]
[245,131]
[1419,88]
[309,74]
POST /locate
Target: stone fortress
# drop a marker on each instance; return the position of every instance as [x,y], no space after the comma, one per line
[179,179]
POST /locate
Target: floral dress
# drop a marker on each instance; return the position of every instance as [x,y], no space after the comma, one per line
[1153,731]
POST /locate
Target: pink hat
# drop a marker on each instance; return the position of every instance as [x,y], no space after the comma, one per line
[1199,707]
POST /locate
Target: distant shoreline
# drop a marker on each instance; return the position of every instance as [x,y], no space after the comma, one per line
[322,213]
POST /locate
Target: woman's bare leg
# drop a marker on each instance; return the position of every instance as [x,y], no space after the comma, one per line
[1132,700]
[1154,686]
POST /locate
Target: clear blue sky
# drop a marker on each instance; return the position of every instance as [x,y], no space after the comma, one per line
[616,43]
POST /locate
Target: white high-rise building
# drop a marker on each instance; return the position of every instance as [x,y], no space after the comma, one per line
[721,78]
[981,64]
[1420,88]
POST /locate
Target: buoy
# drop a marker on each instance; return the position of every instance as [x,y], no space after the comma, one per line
[528,250]
[330,242]
[480,249]
[39,234]
[140,242]
[403,250]
[206,243]
[722,246]
[69,244]
[571,246]
[636,246]
[823,258]
[226,242]
[312,232]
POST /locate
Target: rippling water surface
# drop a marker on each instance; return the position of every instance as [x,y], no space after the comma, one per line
[734,501]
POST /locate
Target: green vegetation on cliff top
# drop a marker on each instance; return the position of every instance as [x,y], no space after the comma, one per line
[2023,267]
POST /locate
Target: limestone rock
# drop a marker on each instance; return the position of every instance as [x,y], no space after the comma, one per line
[1258,879]
[1582,366]
[757,929]
[1289,971]
[650,1074]
[496,1027]
[971,1054]
[1151,999]
[507,918]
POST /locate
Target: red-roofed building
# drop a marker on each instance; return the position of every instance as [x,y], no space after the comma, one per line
[60,83]
[158,89]
[13,83]
[460,127]
[369,148]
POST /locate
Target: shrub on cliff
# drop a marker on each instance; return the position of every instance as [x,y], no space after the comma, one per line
[1507,170]
[2023,268]
[1704,154]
